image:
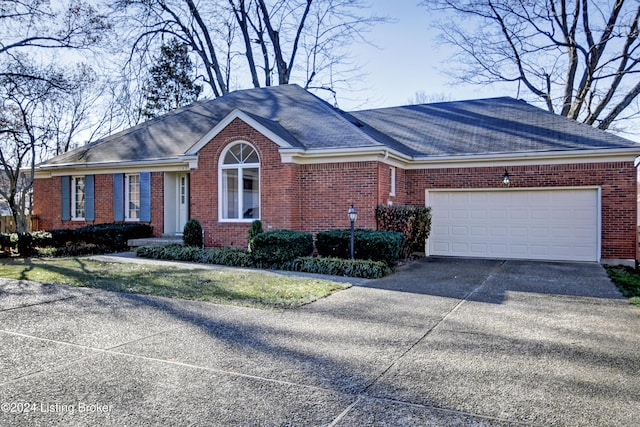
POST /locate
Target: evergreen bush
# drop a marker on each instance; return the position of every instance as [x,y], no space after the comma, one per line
[369,244]
[106,237]
[192,233]
[256,228]
[240,258]
[274,247]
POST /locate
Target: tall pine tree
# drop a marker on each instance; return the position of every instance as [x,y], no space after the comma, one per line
[171,83]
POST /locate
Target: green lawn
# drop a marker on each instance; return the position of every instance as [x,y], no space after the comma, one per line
[628,281]
[247,288]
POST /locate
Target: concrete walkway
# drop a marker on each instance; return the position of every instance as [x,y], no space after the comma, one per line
[443,342]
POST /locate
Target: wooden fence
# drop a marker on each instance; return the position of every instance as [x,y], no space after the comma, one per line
[7,225]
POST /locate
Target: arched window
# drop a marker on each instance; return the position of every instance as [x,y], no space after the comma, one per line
[239,183]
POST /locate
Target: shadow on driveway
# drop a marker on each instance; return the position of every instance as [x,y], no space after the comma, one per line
[488,280]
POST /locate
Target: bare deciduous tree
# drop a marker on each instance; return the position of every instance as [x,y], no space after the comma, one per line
[24,133]
[28,26]
[258,41]
[581,57]
[422,97]
[40,110]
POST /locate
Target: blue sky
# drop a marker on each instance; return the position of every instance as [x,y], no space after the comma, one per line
[406,60]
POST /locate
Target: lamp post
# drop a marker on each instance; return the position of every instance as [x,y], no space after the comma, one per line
[353,216]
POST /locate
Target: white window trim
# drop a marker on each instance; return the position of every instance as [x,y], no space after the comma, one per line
[127,196]
[392,171]
[73,197]
[238,167]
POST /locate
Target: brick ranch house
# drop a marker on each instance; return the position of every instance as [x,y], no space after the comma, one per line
[288,158]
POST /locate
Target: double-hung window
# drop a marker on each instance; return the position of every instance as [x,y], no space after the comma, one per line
[132,197]
[77,198]
[239,188]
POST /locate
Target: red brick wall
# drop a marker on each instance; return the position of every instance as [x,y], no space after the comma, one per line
[330,189]
[617,180]
[279,192]
[47,203]
[300,197]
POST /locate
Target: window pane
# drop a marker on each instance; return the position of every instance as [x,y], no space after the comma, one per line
[133,189]
[78,201]
[252,157]
[230,158]
[240,153]
[250,193]
[230,193]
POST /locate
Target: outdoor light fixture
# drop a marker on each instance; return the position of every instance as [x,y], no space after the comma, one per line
[353,216]
[505,179]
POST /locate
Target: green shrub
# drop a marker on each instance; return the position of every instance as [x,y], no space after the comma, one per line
[41,239]
[5,241]
[256,228]
[78,249]
[342,267]
[240,258]
[280,246]
[369,244]
[192,233]
[229,257]
[412,221]
[112,237]
[25,244]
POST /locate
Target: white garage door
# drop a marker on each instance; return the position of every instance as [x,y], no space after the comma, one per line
[560,224]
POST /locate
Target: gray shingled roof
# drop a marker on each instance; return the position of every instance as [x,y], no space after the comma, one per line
[497,125]
[485,126]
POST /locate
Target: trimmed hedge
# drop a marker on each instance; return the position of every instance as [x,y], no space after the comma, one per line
[342,267]
[91,239]
[111,236]
[227,256]
[276,247]
[240,258]
[369,244]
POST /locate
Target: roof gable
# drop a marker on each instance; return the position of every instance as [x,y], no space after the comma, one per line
[272,130]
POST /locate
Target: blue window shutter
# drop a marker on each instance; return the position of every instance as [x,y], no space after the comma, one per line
[118,197]
[89,204]
[145,196]
[66,197]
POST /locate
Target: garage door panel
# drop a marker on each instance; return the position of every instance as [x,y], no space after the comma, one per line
[479,231]
[478,214]
[559,224]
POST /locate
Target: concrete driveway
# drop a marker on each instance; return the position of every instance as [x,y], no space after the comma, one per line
[443,342]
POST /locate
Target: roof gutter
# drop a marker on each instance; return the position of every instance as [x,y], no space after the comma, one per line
[396,158]
[173,164]
[526,158]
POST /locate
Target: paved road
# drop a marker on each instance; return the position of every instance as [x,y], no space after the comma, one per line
[443,342]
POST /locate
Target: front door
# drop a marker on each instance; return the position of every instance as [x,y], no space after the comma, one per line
[183,202]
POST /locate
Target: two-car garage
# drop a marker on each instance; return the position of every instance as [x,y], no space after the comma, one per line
[560,224]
